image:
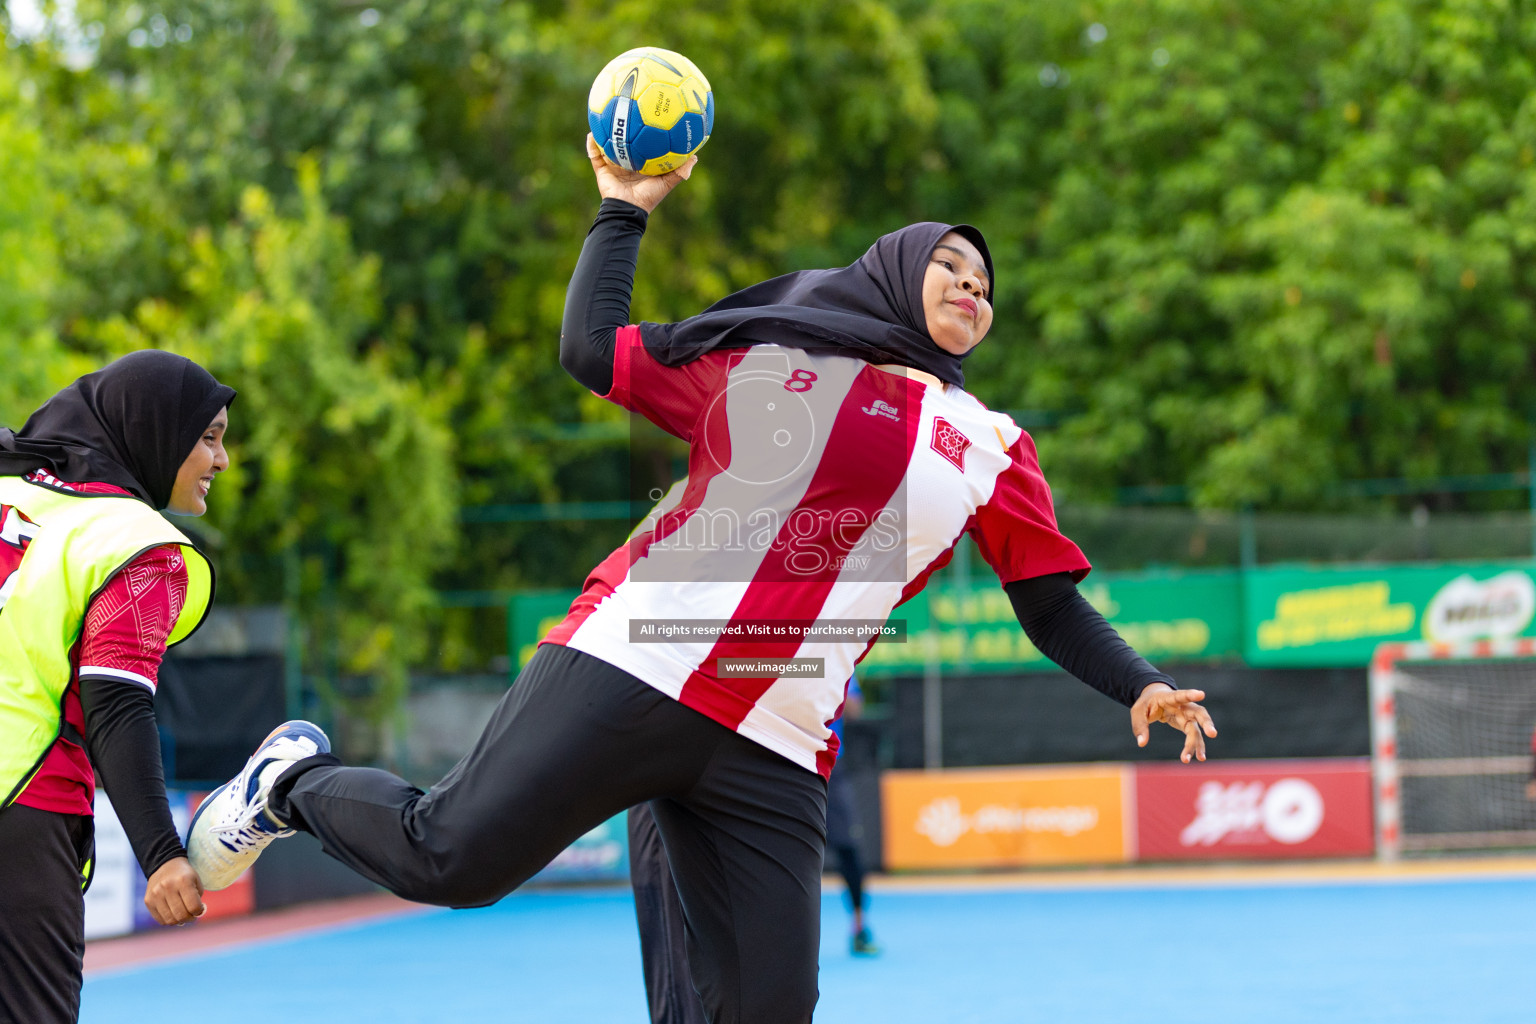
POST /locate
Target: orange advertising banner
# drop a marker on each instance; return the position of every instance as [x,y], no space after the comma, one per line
[1006,817]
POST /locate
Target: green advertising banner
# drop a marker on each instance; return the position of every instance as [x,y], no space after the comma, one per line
[1337,616]
[1293,616]
[1171,617]
[530,618]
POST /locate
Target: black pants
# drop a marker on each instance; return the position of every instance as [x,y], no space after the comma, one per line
[42,914]
[574,742]
[659,914]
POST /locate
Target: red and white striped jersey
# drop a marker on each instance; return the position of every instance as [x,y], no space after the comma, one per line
[820,488]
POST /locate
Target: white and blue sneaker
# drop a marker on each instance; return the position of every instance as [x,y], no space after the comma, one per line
[232,825]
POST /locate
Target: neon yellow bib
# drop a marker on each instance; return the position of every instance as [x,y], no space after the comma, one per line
[71,545]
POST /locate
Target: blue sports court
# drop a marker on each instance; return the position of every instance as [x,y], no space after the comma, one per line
[1332,949]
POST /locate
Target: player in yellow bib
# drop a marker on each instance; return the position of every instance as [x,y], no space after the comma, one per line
[94,586]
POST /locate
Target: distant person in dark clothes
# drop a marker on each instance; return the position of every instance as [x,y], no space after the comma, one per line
[845,829]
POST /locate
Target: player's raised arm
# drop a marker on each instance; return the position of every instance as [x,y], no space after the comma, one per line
[597,301]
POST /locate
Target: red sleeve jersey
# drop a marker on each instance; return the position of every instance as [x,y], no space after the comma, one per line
[675,398]
[1016,530]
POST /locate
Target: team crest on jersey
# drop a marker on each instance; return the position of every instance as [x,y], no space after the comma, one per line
[949,442]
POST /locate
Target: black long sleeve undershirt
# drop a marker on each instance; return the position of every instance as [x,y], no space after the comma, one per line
[124,744]
[1069,631]
[597,302]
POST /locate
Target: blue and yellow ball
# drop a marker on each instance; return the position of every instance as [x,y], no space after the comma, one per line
[650,109]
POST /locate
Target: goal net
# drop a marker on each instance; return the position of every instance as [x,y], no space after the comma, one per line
[1451,738]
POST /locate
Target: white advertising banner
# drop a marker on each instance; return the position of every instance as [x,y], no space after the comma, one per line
[110,900]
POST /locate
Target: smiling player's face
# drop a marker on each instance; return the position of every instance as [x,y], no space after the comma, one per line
[189,495]
[955,289]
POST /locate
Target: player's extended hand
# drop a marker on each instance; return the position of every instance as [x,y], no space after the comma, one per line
[1530,790]
[174,894]
[1160,702]
[643,190]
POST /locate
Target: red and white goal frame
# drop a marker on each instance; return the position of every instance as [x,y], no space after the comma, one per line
[1386,771]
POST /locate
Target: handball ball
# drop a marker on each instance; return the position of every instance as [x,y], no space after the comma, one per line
[650,109]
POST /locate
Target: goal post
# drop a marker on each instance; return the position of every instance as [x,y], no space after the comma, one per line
[1451,745]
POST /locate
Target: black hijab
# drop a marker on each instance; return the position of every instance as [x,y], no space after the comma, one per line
[132,423]
[872,308]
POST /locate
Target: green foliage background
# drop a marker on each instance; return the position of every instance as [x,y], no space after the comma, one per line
[1246,247]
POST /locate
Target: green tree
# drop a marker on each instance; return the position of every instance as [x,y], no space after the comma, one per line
[1254,248]
[448,137]
[1123,152]
[336,454]
[1248,249]
[1397,309]
[30,271]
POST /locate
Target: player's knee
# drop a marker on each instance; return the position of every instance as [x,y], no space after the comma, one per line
[464,889]
[454,878]
[454,892]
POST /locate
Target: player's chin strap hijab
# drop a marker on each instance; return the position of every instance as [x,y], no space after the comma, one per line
[872,309]
[131,423]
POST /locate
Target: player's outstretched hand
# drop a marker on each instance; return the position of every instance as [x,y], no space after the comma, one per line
[1160,702]
[174,894]
[643,190]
